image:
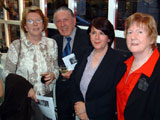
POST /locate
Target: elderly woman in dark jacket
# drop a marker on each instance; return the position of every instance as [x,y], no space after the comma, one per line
[138,92]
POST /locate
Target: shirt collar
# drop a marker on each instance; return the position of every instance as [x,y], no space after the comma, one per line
[42,42]
[148,67]
[72,35]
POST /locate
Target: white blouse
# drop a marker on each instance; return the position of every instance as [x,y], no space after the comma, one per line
[29,61]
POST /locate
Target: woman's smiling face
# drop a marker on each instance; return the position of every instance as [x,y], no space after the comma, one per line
[34,24]
[137,38]
[98,39]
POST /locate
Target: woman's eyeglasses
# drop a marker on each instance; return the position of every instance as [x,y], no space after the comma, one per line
[37,21]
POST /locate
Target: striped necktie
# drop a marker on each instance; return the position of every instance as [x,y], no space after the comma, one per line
[67,49]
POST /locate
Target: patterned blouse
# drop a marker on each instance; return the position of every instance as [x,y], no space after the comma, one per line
[29,61]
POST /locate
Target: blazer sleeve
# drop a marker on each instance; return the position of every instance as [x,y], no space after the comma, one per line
[75,92]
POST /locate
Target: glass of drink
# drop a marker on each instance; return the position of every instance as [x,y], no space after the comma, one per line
[63,69]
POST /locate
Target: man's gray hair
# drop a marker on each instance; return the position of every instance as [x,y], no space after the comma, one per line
[63,8]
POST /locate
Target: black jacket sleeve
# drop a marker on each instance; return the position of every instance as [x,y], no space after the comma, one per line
[16,92]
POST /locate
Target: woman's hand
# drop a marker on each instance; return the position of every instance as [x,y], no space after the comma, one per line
[67,74]
[48,77]
[83,116]
[32,95]
[80,110]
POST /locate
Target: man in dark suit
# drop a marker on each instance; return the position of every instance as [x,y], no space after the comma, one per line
[65,22]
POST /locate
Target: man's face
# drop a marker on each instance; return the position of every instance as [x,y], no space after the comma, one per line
[65,23]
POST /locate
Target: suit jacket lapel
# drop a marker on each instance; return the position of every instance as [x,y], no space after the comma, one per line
[60,49]
[76,42]
[140,88]
[142,85]
[81,67]
[103,66]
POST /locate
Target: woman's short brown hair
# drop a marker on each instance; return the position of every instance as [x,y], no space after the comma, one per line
[145,20]
[36,10]
[103,24]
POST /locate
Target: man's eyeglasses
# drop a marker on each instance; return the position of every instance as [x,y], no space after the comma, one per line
[37,21]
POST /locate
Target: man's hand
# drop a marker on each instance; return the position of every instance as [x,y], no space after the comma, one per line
[67,74]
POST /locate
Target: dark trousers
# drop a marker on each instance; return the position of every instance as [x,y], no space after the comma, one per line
[29,110]
[37,114]
[16,104]
[63,100]
[22,112]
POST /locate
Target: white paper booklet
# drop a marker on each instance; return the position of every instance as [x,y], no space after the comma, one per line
[70,61]
[46,106]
